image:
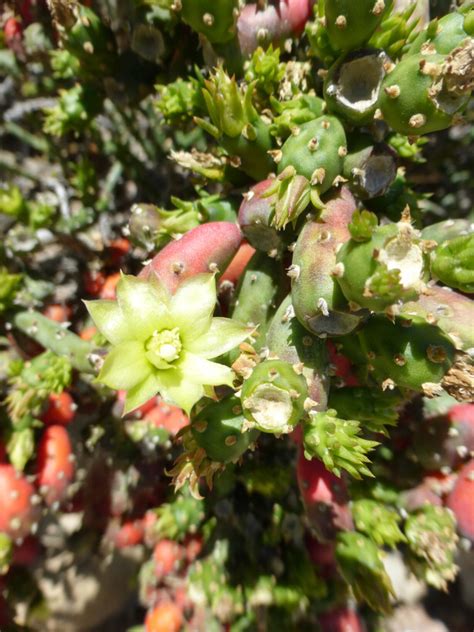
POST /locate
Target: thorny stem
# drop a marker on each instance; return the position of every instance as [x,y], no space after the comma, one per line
[54,336]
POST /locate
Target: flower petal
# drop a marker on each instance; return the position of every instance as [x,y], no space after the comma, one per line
[109,320]
[193,304]
[201,371]
[125,366]
[223,335]
[174,388]
[144,305]
[141,393]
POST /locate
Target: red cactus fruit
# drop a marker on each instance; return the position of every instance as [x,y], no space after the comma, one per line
[27,552]
[342,619]
[130,533]
[462,417]
[117,249]
[278,21]
[24,7]
[19,511]
[171,418]
[55,464]
[149,526]
[461,500]
[342,366]
[12,30]
[166,555]
[61,409]
[325,497]
[446,441]
[299,12]
[165,617]
[93,282]
[421,495]
[238,264]
[206,248]
[88,333]
[322,554]
[108,290]
[57,312]
[141,410]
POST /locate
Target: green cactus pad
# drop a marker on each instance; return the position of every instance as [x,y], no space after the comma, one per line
[215,20]
[350,24]
[218,430]
[216,437]
[415,98]
[404,354]
[316,152]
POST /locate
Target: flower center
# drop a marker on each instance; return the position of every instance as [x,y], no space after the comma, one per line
[163,347]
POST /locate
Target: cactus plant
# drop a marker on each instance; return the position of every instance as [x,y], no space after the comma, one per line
[423,93]
[350,25]
[276,252]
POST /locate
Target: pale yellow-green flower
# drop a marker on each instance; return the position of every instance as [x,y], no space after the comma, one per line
[163,343]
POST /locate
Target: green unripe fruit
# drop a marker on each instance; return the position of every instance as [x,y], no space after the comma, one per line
[350,23]
[215,20]
[409,355]
[416,98]
[386,267]
[273,397]
[218,431]
[453,263]
[352,86]
[316,151]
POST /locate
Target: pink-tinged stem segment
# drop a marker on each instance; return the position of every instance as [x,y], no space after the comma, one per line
[206,248]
